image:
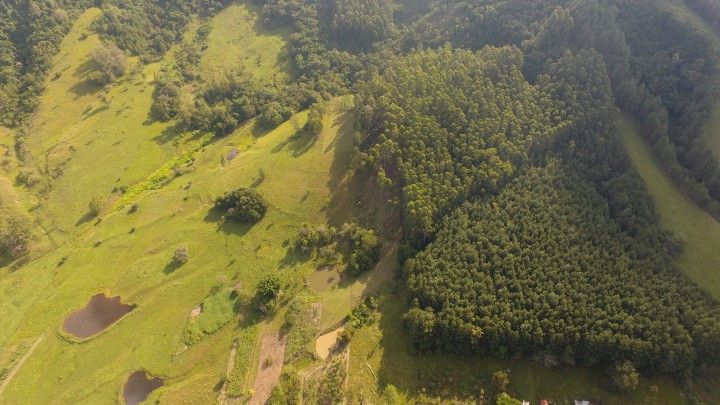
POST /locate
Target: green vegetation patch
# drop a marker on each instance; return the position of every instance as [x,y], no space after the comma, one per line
[215,312]
[239,39]
[160,178]
[245,345]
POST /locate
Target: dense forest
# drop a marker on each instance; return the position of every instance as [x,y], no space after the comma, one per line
[525,228]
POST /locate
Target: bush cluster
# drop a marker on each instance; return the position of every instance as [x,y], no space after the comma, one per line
[244,205]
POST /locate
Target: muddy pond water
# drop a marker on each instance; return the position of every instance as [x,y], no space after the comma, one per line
[99,313]
[138,386]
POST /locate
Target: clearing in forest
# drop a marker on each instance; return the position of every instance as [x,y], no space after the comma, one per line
[678,213]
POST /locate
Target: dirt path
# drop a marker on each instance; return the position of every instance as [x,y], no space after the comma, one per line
[272,355]
[20,363]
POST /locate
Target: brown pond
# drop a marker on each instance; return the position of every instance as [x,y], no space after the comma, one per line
[139,386]
[97,315]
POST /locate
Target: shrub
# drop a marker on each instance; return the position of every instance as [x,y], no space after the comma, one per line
[365,249]
[501,381]
[181,256]
[310,239]
[314,124]
[505,399]
[623,376]
[109,63]
[392,396]
[243,204]
[94,207]
[268,288]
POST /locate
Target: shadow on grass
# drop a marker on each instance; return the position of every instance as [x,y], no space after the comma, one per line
[166,135]
[96,111]
[292,257]
[298,143]
[85,218]
[171,267]
[228,226]
[84,88]
[343,185]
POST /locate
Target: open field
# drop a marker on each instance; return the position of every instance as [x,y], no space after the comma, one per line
[239,41]
[87,141]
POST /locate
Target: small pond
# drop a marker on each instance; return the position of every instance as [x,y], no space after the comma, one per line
[138,386]
[96,316]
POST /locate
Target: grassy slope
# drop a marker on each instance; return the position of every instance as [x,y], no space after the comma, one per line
[35,299]
[699,231]
[252,47]
[89,136]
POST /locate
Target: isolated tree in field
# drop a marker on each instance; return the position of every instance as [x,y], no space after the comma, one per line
[365,248]
[243,204]
[181,256]
[268,288]
[109,63]
[94,207]
[623,376]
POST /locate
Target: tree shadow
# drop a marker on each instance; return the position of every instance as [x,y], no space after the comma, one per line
[343,183]
[298,143]
[259,132]
[84,88]
[228,226]
[292,257]
[171,267]
[258,180]
[166,135]
[87,217]
[96,111]
[301,143]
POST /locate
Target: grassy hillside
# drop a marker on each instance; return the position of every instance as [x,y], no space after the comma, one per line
[699,231]
[87,140]
[238,40]
[196,325]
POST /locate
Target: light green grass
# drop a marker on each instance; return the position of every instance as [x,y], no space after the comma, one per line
[113,146]
[217,310]
[132,264]
[239,40]
[698,230]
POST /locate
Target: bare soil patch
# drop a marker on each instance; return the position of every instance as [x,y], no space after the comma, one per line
[327,343]
[272,354]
